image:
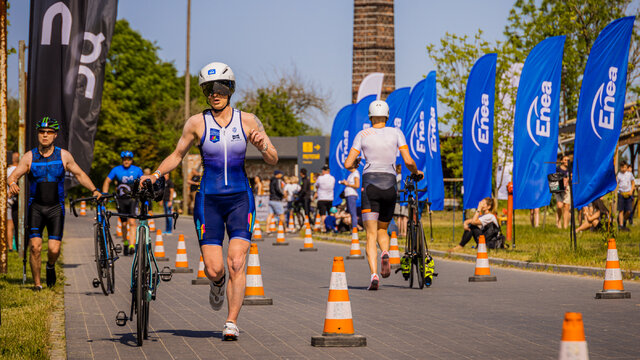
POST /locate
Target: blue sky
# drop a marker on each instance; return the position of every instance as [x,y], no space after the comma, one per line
[260,39]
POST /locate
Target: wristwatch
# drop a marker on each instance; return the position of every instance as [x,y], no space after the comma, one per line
[265,148]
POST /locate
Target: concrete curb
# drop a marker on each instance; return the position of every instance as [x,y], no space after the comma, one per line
[571,269]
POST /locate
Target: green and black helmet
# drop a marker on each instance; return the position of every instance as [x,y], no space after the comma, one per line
[47,123]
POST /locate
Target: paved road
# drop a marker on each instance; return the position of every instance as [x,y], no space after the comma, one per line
[518,317]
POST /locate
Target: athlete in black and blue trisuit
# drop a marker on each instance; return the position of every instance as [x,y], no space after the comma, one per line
[124,175]
[46,166]
[224,198]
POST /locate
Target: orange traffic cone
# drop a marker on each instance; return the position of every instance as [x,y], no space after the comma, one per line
[573,345]
[182,264]
[280,237]
[482,264]
[158,251]
[272,225]
[394,251]
[152,223]
[83,208]
[254,292]
[338,322]
[308,240]
[257,232]
[119,227]
[318,225]
[201,278]
[291,228]
[306,221]
[612,288]
[355,252]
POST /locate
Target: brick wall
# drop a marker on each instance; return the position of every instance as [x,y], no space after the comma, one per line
[373,43]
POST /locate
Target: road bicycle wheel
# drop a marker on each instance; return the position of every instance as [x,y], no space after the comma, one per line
[410,249]
[420,256]
[145,302]
[111,273]
[140,290]
[100,257]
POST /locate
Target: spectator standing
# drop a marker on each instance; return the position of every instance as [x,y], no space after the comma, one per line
[194,183]
[305,192]
[352,187]
[276,194]
[12,203]
[626,190]
[474,226]
[258,188]
[534,217]
[324,191]
[167,202]
[292,188]
[563,200]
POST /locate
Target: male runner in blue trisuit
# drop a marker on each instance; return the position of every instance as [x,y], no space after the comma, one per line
[46,166]
[224,198]
[124,175]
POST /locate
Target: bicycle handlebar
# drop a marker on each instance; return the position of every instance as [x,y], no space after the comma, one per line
[103,198]
[174,215]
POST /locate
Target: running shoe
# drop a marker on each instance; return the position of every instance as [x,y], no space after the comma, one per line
[385,267]
[37,288]
[51,275]
[374,282]
[216,294]
[230,331]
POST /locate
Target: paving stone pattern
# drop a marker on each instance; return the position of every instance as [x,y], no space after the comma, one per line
[517,317]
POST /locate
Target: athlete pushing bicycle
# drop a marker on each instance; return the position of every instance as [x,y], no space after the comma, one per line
[224,198]
[46,166]
[379,145]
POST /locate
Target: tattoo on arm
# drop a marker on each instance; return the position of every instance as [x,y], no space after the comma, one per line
[259,123]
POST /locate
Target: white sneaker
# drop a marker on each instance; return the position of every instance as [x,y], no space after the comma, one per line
[230,331]
[216,294]
[374,282]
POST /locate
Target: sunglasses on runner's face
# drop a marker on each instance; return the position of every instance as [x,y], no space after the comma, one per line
[216,87]
[46,131]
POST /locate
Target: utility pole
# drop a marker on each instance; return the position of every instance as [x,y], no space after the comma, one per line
[22,128]
[3,137]
[187,113]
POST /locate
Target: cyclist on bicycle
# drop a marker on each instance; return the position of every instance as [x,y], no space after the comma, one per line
[124,175]
[46,166]
[379,145]
[224,198]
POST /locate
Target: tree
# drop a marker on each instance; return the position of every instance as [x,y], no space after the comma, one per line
[581,21]
[141,104]
[283,106]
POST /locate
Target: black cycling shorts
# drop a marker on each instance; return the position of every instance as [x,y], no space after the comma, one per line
[379,196]
[127,206]
[324,206]
[51,217]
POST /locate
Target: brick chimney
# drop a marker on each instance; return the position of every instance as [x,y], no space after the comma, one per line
[373,44]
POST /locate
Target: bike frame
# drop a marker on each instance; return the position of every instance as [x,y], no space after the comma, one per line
[144,251]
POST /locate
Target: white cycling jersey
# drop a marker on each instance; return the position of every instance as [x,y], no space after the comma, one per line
[379,147]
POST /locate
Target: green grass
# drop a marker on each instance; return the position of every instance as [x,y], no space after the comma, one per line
[26,314]
[546,244]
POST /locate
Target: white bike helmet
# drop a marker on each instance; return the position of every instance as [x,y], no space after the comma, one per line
[379,108]
[217,72]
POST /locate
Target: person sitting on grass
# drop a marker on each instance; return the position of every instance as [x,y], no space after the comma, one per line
[473,227]
[330,221]
[591,215]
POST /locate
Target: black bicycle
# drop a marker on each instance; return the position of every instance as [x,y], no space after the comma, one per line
[105,251]
[417,259]
[145,275]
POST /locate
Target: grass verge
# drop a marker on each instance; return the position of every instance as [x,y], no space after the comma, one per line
[27,314]
[545,244]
